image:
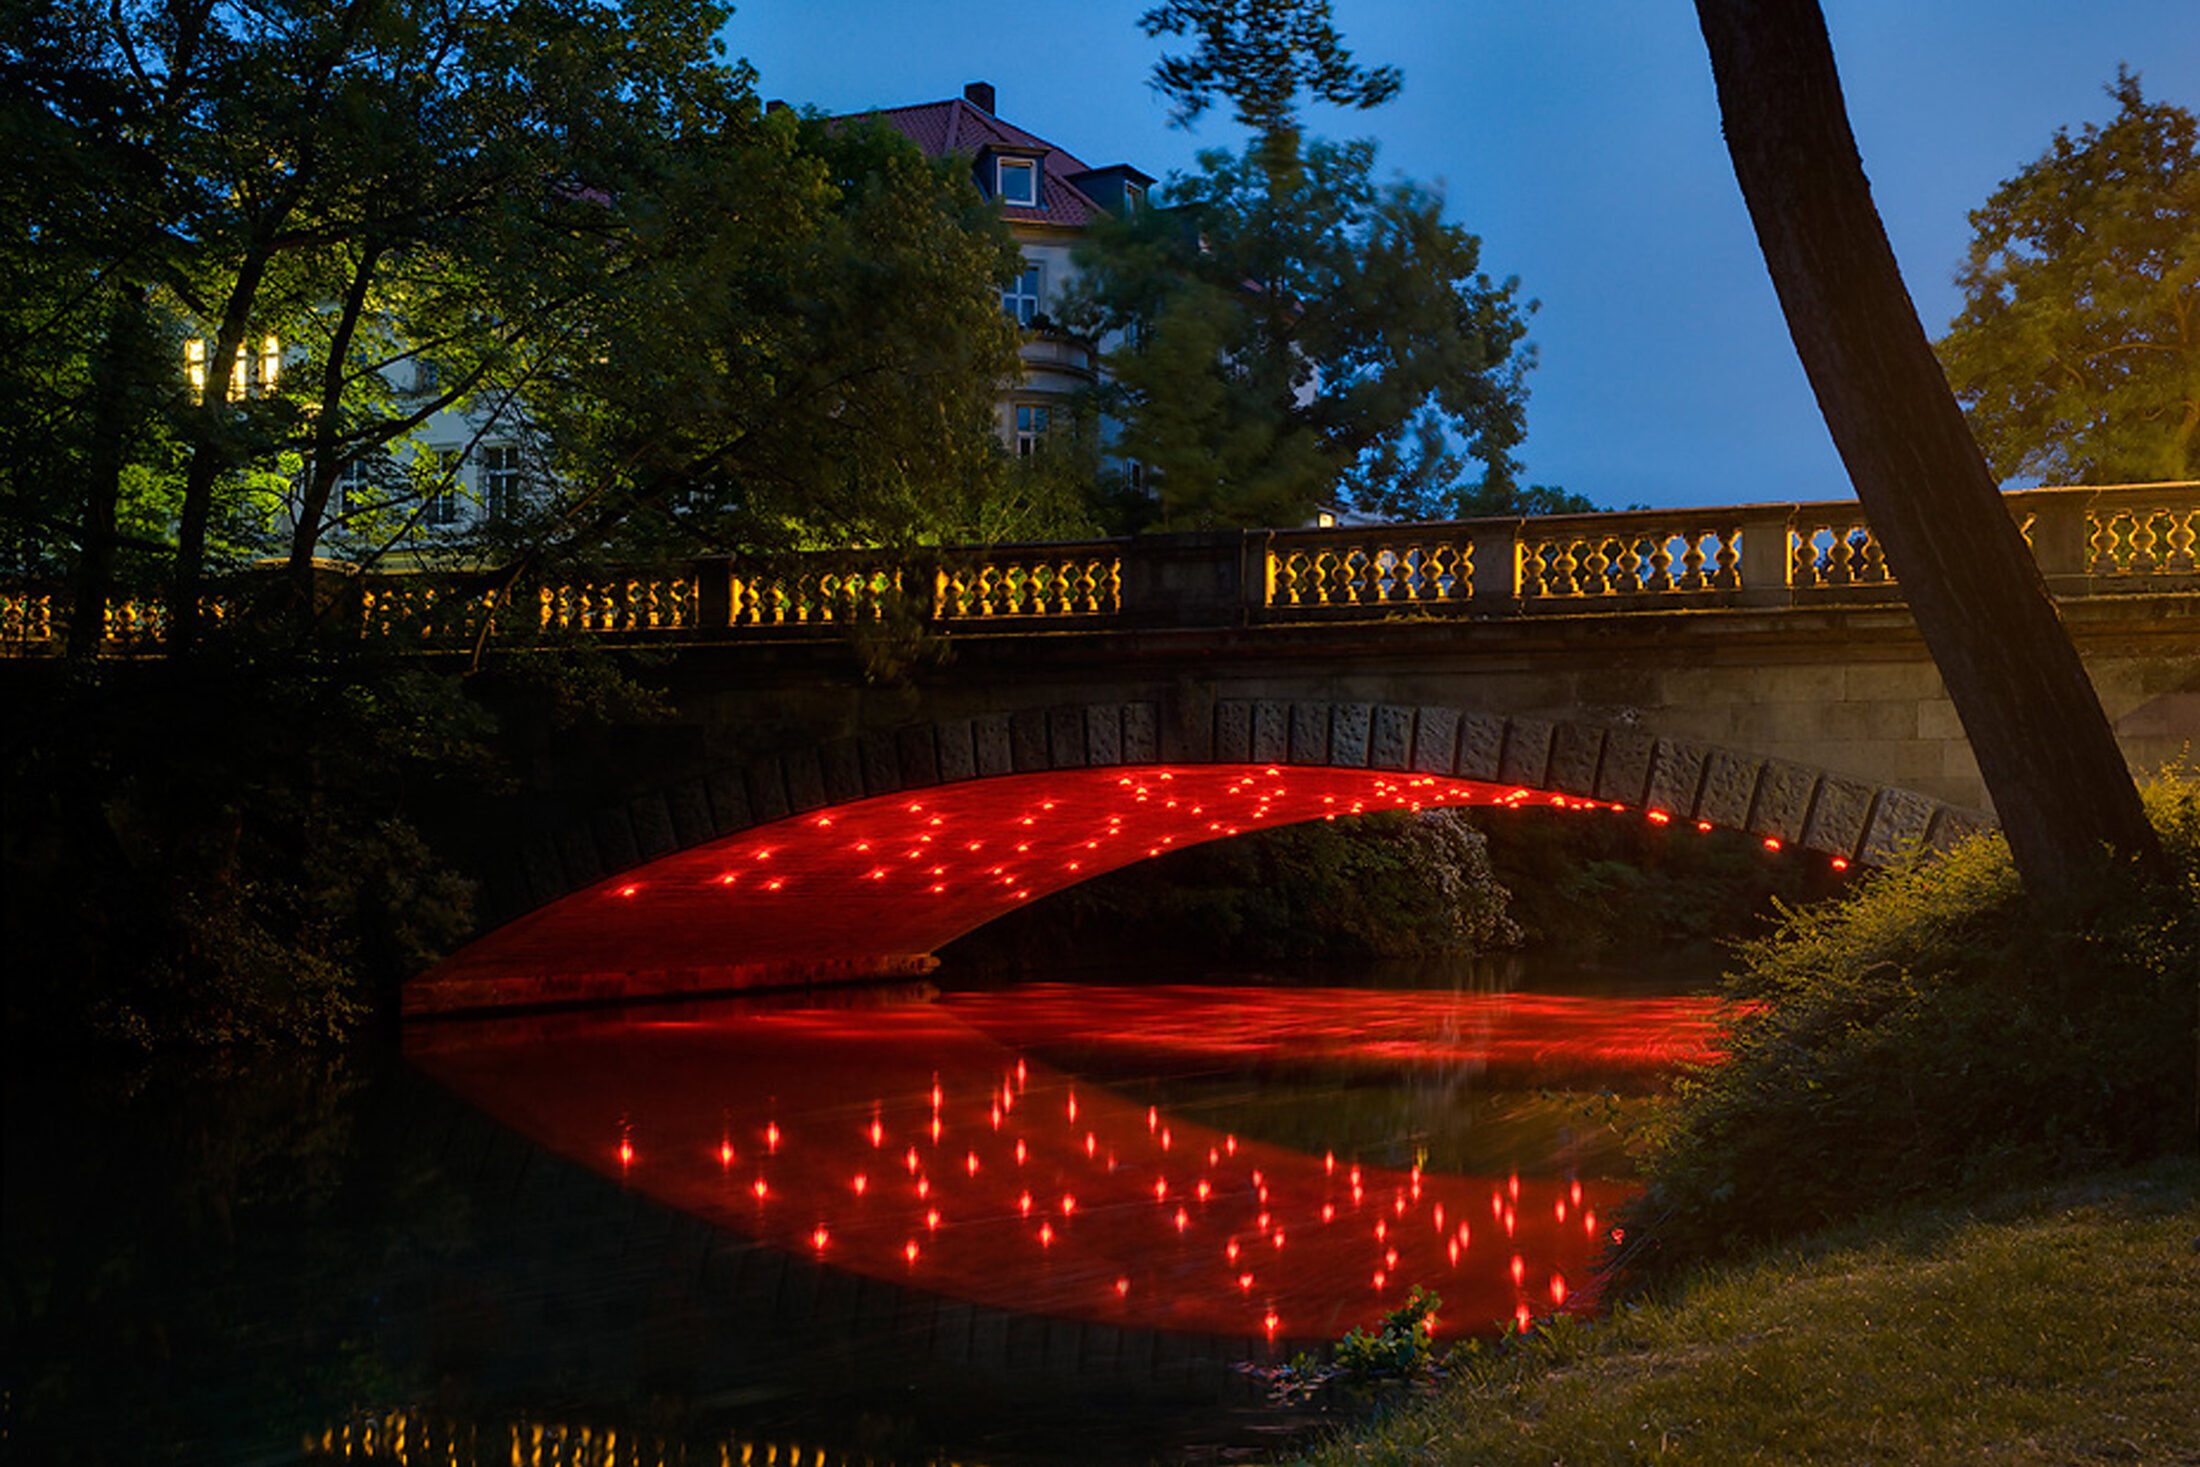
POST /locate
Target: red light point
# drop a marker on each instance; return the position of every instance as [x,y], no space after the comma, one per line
[725,1153]
[819,1238]
[762,1187]
[860,1182]
[626,1152]
[1122,1288]
[909,1250]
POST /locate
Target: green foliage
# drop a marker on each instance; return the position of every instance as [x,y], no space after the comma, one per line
[2077,354]
[1935,1030]
[219,861]
[1402,1348]
[563,229]
[1381,885]
[1305,336]
[1260,54]
[1591,884]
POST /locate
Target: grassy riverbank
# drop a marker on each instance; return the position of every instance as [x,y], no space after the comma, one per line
[2056,1324]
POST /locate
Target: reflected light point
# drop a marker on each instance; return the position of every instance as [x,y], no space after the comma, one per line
[1183,1219]
[860,1182]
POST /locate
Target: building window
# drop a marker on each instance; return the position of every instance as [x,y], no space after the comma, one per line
[440,488]
[1018,180]
[503,483]
[1031,429]
[255,372]
[1021,300]
[355,489]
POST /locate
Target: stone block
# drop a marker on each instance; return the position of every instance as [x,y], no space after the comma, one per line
[542,871]
[688,803]
[651,820]
[615,841]
[1349,728]
[919,757]
[1066,736]
[504,894]
[1623,776]
[767,784]
[1390,744]
[1481,746]
[1576,749]
[1027,740]
[1104,733]
[805,779]
[1233,732]
[1141,733]
[1309,733]
[881,763]
[1837,816]
[1899,822]
[958,752]
[1952,826]
[989,738]
[841,763]
[1729,789]
[729,802]
[1271,742]
[1435,740]
[577,853]
[1893,682]
[1936,719]
[1527,757]
[1783,800]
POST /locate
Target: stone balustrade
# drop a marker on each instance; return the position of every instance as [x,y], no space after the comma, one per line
[2088,542]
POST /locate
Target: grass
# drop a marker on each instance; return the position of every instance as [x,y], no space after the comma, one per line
[2053,1325]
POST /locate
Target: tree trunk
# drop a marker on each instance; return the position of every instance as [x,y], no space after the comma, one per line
[118,395]
[2044,747]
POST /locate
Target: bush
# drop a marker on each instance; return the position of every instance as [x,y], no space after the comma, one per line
[1936,1031]
[1382,885]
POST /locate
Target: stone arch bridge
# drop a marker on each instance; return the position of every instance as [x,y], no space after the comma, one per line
[1057,711]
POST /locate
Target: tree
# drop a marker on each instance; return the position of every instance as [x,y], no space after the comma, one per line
[1294,333]
[810,359]
[1318,339]
[2044,747]
[2077,353]
[552,222]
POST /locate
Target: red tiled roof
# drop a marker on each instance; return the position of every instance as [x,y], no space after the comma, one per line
[944,129]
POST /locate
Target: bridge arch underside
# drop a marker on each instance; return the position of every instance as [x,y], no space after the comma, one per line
[858,859]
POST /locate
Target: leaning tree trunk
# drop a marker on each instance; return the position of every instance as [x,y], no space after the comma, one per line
[2044,747]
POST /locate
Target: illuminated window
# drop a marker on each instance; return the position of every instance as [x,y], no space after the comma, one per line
[1018,180]
[1031,429]
[503,482]
[256,372]
[1021,300]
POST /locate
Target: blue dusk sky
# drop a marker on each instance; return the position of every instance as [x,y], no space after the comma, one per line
[1581,140]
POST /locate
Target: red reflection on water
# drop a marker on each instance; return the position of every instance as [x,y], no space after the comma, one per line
[1108,1240]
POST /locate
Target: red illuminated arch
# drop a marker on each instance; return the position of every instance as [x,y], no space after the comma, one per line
[860,858]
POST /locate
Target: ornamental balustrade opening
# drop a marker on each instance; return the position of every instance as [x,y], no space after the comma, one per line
[2088,542]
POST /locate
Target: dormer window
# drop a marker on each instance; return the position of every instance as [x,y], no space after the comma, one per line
[1017,181]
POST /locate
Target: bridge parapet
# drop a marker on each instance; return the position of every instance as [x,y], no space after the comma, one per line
[2088,542]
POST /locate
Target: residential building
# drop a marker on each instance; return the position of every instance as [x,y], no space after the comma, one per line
[1050,199]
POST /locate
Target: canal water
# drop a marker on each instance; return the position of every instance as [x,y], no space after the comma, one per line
[1025,1223]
